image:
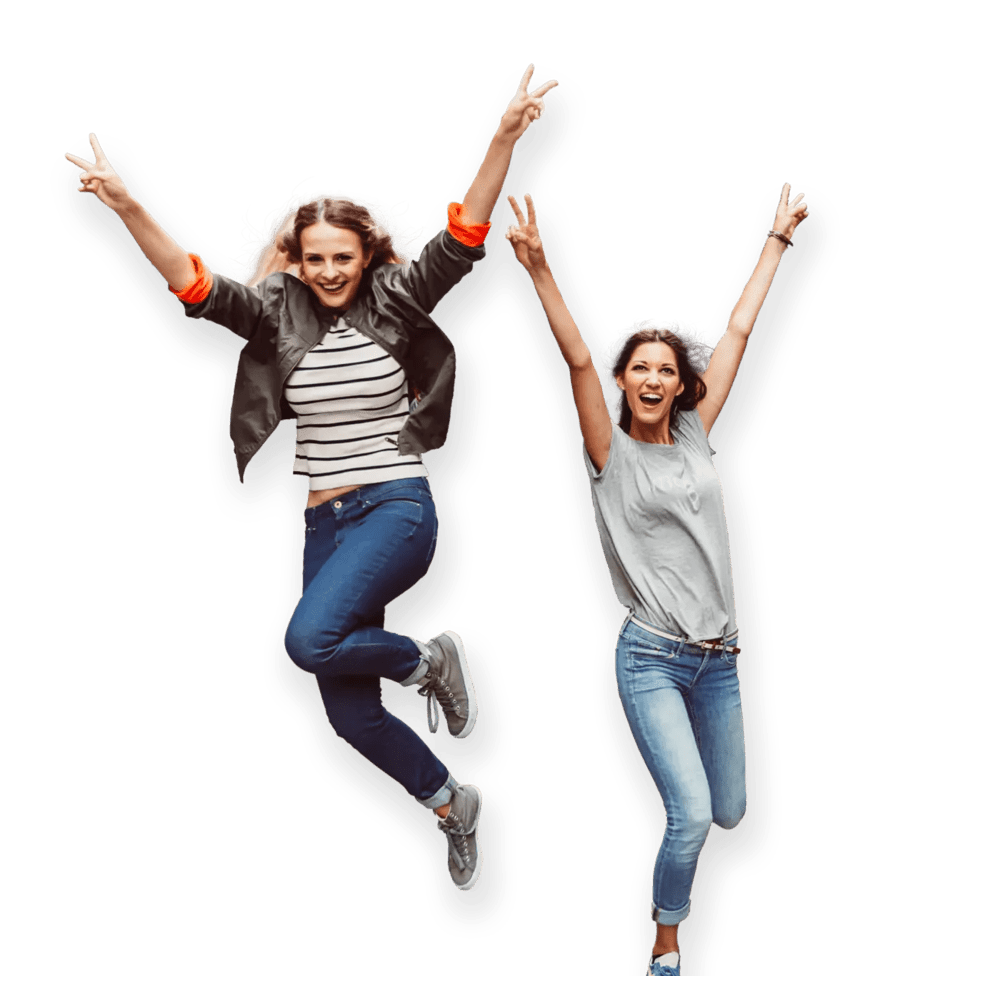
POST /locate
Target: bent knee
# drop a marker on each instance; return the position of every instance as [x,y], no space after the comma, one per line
[309,648]
[731,816]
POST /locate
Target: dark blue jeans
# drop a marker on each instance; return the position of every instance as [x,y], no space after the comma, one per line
[363,549]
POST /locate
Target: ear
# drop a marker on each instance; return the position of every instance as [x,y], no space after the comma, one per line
[620,382]
[368,258]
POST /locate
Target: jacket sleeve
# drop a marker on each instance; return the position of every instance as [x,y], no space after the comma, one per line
[440,266]
[230,304]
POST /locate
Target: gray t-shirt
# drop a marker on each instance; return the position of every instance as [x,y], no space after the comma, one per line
[663,529]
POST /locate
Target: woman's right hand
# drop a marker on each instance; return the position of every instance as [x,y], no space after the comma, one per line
[524,237]
[100,178]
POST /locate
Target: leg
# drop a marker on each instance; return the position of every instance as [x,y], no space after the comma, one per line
[652,678]
[354,708]
[358,558]
[717,720]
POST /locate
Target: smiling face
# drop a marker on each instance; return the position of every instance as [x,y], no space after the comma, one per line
[650,382]
[333,263]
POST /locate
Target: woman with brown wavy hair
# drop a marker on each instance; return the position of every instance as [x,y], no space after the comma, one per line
[339,337]
[658,505]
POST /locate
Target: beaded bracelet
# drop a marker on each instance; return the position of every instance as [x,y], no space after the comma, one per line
[784,239]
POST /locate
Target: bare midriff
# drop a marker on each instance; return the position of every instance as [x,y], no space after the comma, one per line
[316,497]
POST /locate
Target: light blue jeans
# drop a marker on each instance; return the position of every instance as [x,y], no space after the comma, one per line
[683,706]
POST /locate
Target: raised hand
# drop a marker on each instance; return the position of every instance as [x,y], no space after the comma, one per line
[789,216]
[524,237]
[525,107]
[100,178]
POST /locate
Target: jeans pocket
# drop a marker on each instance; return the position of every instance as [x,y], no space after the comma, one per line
[666,649]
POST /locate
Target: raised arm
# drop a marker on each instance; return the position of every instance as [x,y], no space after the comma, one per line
[729,352]
[595,421]
[482,195]
[165,255]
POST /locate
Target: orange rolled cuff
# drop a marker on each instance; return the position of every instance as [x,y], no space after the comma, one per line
[470,235]
[198,289]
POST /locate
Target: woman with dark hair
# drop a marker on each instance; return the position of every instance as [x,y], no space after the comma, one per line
[339,336]
[658,505]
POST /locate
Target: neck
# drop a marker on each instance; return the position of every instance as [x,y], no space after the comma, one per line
[651,433]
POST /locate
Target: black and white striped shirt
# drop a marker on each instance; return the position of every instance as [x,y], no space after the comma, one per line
[350,399]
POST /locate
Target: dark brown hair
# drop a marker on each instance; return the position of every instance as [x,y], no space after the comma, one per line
[277,245]
[692,359]
[343,214]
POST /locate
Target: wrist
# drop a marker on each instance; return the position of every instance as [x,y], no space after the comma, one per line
[505,135]
[127,206]
[540,273]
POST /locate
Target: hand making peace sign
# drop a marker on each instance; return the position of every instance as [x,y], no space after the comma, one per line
[788,216]
[100,178]
[524,237]
[524,108]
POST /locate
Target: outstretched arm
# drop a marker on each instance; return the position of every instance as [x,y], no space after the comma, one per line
[595,421]
[729,352]
[165,255]
[521,112]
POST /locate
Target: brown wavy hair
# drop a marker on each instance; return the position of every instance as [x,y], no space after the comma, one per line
[285,249]
[692,359]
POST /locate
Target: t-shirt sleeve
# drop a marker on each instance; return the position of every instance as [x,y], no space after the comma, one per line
[689,424]
[618,442]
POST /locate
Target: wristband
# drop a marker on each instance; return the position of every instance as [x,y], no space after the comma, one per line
[784,239]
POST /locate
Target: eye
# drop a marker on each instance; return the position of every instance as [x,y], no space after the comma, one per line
[345,256]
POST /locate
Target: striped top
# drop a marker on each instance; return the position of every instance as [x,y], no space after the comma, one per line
[350,398]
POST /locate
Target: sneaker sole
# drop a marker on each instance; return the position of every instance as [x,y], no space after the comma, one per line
[479,848]
[463,666]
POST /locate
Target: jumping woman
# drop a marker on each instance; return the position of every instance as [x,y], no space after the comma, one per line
[658,505]
[339,337]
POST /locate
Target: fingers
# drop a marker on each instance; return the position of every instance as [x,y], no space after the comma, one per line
[517,210]
[522,87]
[544,88]
[798,198]
[85,164]
[96,147]
[783,200]
[531,209]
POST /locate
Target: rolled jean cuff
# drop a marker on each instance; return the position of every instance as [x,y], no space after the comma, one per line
[421,668]
[442,796]
[670,917]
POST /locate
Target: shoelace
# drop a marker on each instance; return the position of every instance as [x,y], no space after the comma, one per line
[435,690]
[458,843]
[430,704]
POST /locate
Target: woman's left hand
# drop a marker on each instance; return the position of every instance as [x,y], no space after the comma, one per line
[789,216]
[524,108]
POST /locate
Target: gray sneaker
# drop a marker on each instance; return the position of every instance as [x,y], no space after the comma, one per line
[448,683]
[460,827]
